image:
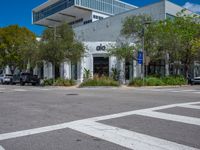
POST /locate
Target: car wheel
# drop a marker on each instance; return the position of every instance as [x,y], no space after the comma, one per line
[34,84]
[22,83]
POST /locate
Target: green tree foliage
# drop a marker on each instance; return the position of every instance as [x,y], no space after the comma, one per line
[178,37]
[122,51]
[59,43]
[17,47]
[133,28]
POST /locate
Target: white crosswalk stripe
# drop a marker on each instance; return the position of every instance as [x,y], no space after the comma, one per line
[129,139]
[191,106]
[171,117]
[126,138]
[1,148]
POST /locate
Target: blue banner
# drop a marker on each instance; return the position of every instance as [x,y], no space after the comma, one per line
[140,57]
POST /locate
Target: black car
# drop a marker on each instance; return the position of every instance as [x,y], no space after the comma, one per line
[24,78]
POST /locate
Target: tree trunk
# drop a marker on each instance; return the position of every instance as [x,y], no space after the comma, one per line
[186,70]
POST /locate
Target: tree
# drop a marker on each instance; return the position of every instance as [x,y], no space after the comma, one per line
[17,45]
[122,51]
[177,37]
[58,44]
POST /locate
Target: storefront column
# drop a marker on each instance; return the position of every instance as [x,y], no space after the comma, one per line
[122,71]
[48,70]
[67,70]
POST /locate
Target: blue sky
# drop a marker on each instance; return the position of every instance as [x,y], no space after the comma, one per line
[19,11]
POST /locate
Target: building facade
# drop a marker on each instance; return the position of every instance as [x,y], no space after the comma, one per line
[97,23]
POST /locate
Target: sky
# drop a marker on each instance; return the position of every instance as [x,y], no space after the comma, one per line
[19,11]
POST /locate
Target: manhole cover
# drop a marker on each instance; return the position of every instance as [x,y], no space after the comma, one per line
[72,94]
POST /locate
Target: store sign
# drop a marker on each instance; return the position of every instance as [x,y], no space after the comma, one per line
[101,47]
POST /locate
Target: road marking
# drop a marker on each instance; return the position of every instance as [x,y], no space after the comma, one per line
[191,106]
[23,133]
[171,90]
[40,89]
[126,138]
[20,90]
[34,131]
[1,148]
[171,117]
[123,114]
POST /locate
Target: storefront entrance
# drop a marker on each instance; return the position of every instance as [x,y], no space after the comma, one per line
[101,66]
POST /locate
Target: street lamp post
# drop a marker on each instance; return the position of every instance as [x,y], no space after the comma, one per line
[143,50]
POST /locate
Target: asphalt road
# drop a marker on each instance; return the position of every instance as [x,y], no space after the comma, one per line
[47,118]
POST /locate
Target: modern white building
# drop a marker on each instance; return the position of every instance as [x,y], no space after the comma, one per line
[97,23]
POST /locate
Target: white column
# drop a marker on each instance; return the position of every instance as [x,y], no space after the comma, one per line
[67,69]
[112,64]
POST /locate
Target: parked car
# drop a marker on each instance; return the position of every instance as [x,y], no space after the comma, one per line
[16,78]
[195,80]
[6,78]
[1,78]
[26,78]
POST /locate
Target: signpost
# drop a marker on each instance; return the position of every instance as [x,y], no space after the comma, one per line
[140,57]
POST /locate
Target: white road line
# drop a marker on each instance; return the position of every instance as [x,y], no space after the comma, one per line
[126,138]
[171,90]
[191,106]
[23,133]
[1,148]
[40,89]
[123,114]
[171,117]
[20,90]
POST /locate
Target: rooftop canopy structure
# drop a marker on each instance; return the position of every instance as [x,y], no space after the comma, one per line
[78,12]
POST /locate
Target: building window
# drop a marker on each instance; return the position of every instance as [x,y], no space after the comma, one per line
[88,21]
[97,17]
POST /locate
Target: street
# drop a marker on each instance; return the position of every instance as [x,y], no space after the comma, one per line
[57,118]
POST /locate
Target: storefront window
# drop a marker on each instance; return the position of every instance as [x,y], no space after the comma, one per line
[101,66]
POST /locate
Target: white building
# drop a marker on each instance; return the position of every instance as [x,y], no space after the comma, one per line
[97,23]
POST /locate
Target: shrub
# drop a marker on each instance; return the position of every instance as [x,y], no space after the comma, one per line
[115,74]
[152,81]
[47,82]
[99,81]
[174,80]
[136,82]
[86,74]
[63,82]
[155,81]
[58,82]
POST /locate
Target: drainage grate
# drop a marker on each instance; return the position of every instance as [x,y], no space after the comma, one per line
[72,94]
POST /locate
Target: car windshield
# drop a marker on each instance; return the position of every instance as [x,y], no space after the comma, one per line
[9,75]
[24,74]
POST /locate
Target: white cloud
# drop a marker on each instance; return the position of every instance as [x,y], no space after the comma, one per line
[193,7]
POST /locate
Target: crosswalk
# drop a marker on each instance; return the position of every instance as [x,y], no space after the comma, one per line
[123,137]
[134,140]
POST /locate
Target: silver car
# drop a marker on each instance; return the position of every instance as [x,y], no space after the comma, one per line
[6,78]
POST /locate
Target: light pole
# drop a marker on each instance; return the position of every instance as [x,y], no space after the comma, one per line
[143,50]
